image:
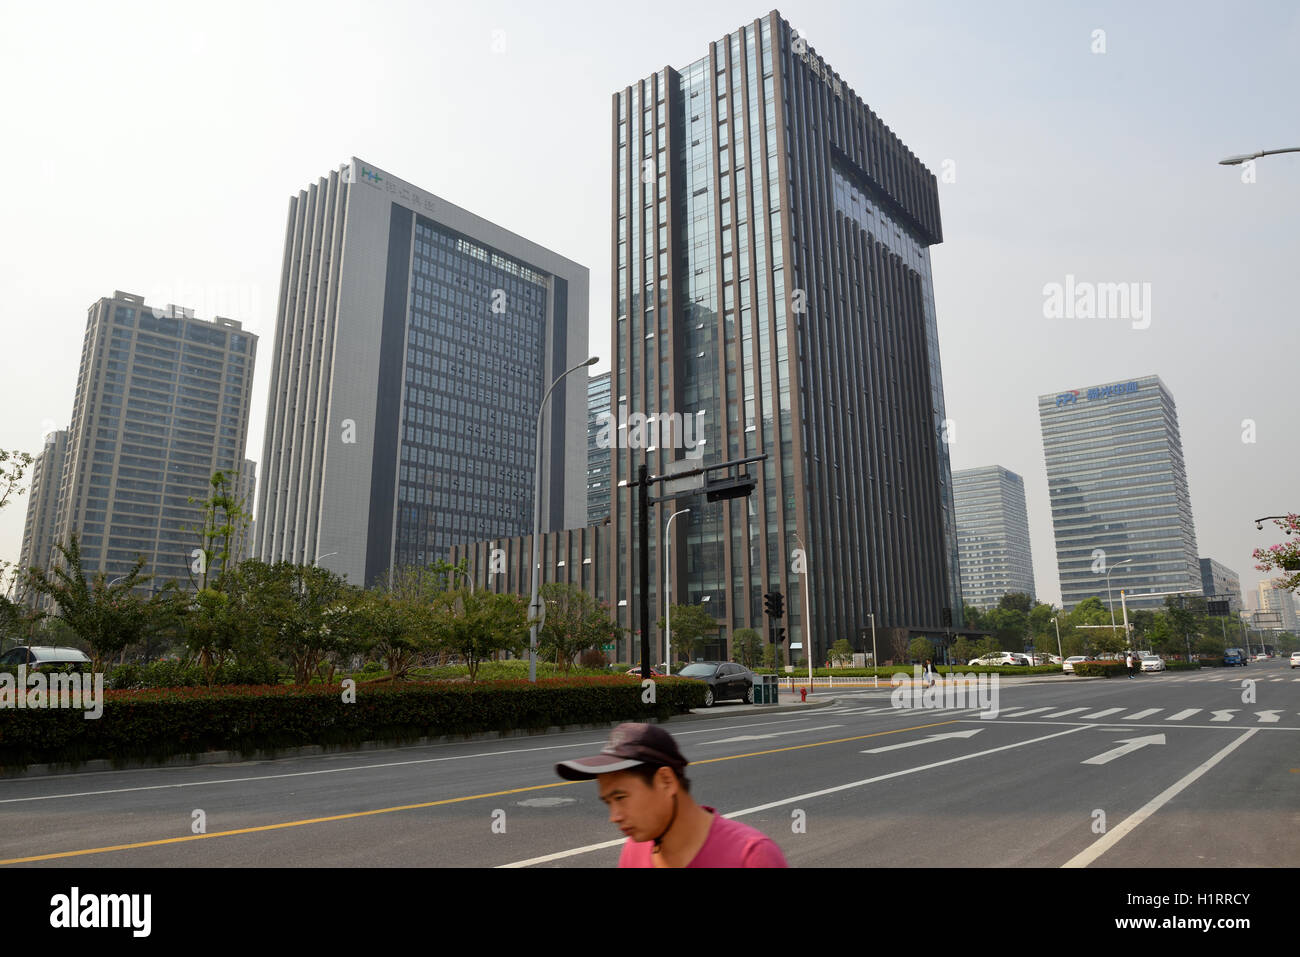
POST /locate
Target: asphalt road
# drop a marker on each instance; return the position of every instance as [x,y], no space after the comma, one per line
[1171,770]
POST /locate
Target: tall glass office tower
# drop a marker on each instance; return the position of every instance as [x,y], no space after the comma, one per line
[413,345]
[992,535]
[1118,487]
[598,457]
[770,247]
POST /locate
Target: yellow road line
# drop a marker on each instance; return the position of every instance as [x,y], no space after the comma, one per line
[415,807]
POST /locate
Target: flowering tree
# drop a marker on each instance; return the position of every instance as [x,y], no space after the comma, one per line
[1284,557]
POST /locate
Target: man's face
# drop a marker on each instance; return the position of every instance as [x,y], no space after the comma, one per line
[641,811]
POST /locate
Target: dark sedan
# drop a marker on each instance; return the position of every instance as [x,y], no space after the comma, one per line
[725,680]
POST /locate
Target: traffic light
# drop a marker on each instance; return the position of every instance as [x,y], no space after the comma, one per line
[774,604]
[947,618]
[780,634]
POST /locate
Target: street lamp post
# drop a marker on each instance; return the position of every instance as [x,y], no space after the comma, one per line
[875,662]
[326,555]
[1246,157]
[534,605]
[1109,599]
[1059,653]
[668,604]
[805,615]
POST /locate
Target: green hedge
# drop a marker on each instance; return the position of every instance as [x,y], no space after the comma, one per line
[1182,666]
[158,724]
[178,674]
[1100,669]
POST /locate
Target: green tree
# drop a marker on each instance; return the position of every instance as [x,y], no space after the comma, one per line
[393,628]
[307,613]
[842,651]
[920,649]
[1283,557]
[747,647]
[106,617]
[574,622]
[1015,601]
[974,618]
[691,624]
[480,624]
[963,650]
[1010,627]
[221,533]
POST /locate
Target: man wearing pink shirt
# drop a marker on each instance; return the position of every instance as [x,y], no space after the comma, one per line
[641,780]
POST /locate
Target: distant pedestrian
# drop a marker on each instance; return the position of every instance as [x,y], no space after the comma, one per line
[929,673]
[641,779]
[1128,660]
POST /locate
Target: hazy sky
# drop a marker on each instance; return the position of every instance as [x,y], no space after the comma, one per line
[153,147]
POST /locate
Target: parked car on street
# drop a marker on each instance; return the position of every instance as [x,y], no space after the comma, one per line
[1295,659]
[1068,665]
[40,656]
[725,679]
[1152,663]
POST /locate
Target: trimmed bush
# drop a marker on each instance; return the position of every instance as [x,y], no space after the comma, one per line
[157,724]
[1100,669]
[178,674]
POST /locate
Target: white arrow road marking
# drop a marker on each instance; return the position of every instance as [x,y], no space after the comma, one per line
[1265,716]
[1225,715]
[774,734]
[1126,746]
[1183,714]
[1102,714]
[933,737]
[1143,714]
[1062,714]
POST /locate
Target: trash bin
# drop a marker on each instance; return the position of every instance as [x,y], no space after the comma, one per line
[766,689]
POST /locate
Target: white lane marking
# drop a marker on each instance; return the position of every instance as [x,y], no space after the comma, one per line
[1183,714]
[932,738]
[1115,834]
[771,734]
[1267,716]
[816,794]
[1102,714]
[1034,711]
[1224,715]
[1143,714]
[1126,746]
[1062,714]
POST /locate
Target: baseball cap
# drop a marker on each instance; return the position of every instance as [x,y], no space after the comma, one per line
[629,745]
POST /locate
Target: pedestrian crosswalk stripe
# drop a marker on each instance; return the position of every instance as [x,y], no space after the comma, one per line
[1033,711]
[1102,714]
[1143,714]
[1183,714]
[1062,714]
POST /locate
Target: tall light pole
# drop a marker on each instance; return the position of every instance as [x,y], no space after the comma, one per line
[805,616]
[326,555]
[668,584]
[535,607]
[1109,599]
[875,662]
[1246,157]
[1059,653]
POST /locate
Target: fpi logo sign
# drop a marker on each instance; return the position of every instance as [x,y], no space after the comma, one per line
[1068,398]
[371,175]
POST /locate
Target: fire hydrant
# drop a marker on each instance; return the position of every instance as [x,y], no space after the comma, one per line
[803,694]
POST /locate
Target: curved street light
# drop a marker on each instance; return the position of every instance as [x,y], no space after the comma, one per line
[1111,600]
[668,584]
[1247,157]
[534,605]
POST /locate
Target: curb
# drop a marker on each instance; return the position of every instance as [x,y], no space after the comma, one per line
[100,765]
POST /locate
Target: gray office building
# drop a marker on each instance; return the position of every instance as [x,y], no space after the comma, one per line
[1217,579]
[161,404]
[414,342]
[772,283]
[992,535]
[599,454]
[1118,488]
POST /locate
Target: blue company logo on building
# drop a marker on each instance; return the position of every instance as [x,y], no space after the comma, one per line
[1100,392]
[371,175]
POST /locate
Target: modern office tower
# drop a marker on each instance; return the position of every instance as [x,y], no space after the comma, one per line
[1276,609]
[162,402]
[1118,488]
[992,535]
[770,251]
[414,343]
[42,508]
[599,454]
[1218,579]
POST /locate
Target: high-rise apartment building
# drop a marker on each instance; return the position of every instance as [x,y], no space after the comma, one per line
[161,404]
[42,507]
[1118,488]
[599,420]
[1277,609]
[1218,579]
[992,535]
[770,253]
[414,343]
